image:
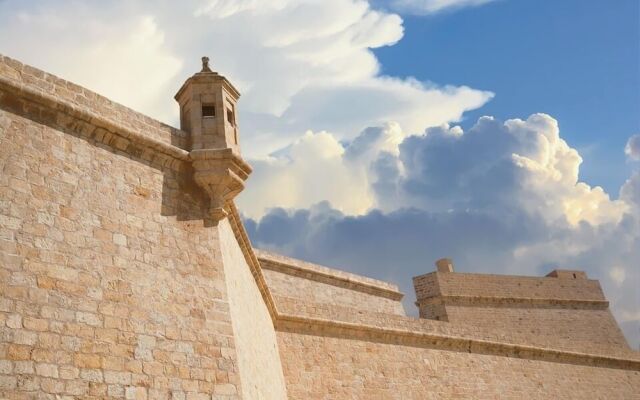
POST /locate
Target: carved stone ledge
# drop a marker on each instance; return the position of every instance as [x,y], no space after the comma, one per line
[221,173]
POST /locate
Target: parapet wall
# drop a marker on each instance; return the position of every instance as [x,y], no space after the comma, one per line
[288,277]
[320,366]
[61,95]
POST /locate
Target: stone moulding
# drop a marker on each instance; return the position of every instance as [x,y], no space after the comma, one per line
[324,327]
[515,302]
[251,259]
[221,173]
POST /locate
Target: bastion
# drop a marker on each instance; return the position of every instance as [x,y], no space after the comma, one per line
[126,273]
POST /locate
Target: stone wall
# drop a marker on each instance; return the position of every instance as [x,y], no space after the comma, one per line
[335,368]
[111,285]
[255,337]
[555,324]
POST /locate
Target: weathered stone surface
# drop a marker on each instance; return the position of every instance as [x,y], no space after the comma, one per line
[324,367]
[115,267]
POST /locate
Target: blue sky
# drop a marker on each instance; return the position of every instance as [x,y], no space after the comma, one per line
[574,59]
[365,127]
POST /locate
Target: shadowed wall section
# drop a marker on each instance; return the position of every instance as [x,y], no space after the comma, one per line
[255,337]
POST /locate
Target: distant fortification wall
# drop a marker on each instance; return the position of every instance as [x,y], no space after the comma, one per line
[565,305]
[331,349]
[330,352]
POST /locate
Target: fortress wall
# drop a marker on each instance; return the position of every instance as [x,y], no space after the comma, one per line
[319,292]
[110,284]
[332,367]
[255,338]
[288,277]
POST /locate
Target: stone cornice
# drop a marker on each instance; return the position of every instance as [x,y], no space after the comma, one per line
[515,302]
[208,77]
[251,259]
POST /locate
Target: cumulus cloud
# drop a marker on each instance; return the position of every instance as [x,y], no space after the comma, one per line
[502,197]
[433,6]
[313,167]
[303,65]
[521,164]
[511,166]
[632,149]
[630,191]
[123,57]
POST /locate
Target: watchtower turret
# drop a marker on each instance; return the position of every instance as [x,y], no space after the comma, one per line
[208,113]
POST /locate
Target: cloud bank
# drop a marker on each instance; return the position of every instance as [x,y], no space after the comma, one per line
[503,197]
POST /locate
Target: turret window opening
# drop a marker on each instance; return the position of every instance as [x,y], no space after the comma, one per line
[231,117]
[208,111]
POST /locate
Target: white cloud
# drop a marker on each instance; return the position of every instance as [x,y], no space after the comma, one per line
[617,275]
[123,57]
[302,65]
[632,149]
[312,168]
[518,163]
[317,167]
[434,6]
